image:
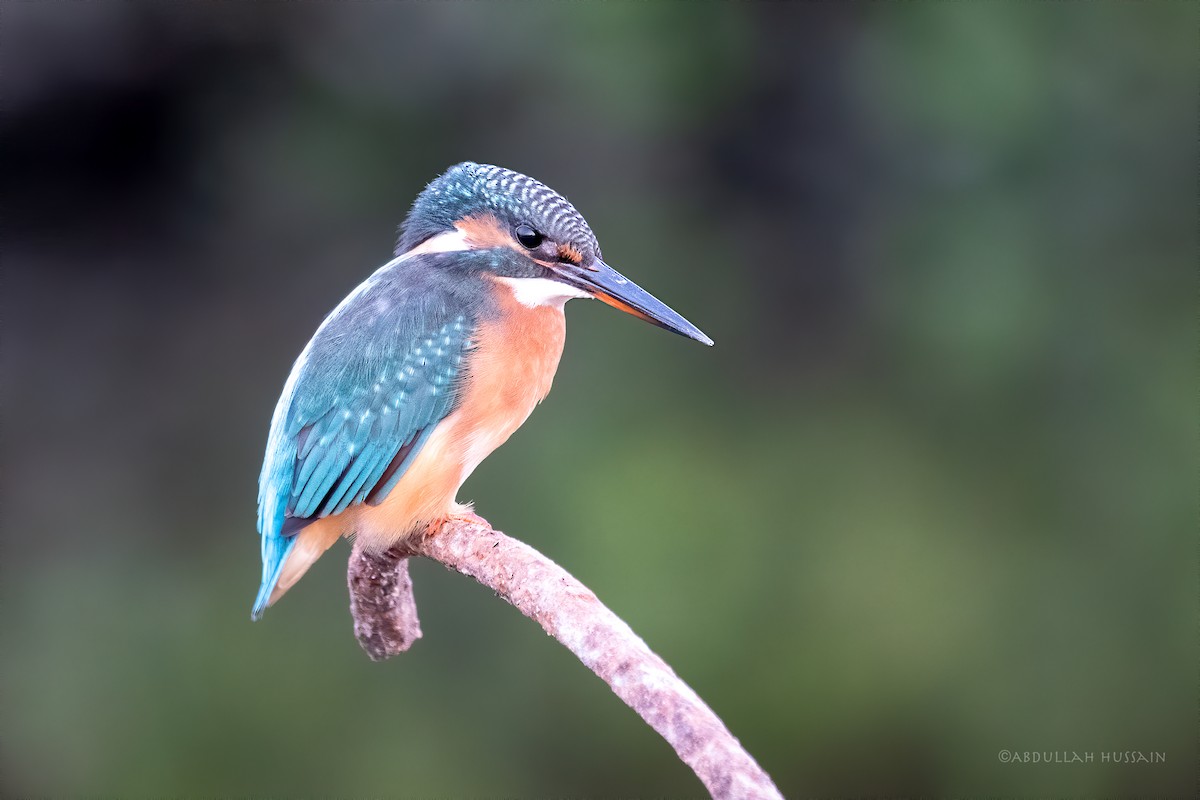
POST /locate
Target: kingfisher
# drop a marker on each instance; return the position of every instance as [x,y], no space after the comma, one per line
[428,366]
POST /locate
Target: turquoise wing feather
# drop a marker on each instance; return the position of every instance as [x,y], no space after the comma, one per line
[371,386]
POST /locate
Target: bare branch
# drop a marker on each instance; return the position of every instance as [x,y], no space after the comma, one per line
[571,613]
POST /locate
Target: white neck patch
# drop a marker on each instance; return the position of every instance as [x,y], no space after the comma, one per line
[535,292]
[445,242]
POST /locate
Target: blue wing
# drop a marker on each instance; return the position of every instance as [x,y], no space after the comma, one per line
[370,387]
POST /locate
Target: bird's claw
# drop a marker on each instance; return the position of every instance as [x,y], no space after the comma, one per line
[460,513]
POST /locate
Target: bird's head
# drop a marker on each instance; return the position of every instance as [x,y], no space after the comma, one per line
[542,247]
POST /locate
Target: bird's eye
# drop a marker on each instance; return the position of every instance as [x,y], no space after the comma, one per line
[528,237]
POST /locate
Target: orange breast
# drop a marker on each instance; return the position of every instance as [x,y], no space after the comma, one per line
[509,370]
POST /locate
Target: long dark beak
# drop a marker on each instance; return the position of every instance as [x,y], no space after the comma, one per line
[613,288]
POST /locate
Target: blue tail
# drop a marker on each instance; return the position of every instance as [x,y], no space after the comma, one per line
[275,551]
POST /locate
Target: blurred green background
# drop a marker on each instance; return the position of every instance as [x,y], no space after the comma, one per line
[931,496]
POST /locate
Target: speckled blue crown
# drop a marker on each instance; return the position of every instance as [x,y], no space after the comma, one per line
[469,188]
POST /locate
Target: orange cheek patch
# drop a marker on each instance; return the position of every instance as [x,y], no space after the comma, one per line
[568,253]
[485,231]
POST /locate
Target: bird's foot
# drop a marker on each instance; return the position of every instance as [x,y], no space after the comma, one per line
[457,513]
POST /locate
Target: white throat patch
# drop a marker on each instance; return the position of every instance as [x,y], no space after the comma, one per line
[534,292]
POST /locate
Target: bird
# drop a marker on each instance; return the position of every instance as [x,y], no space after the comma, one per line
[428,366]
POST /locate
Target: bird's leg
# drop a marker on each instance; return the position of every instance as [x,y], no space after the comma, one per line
[458,513]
